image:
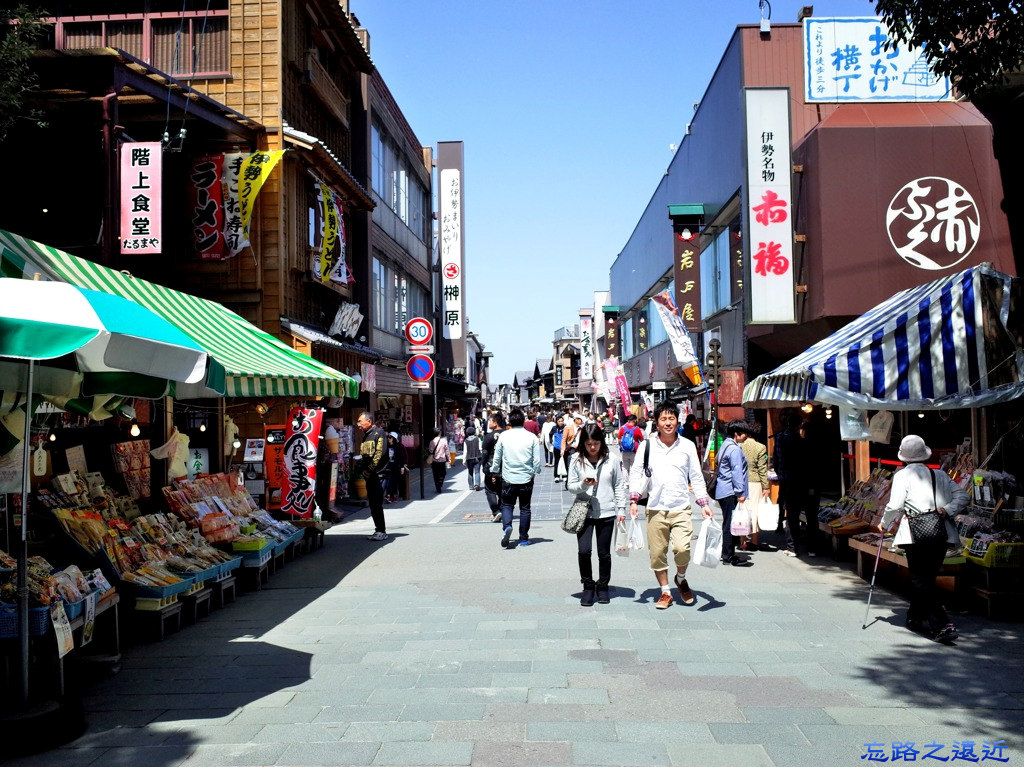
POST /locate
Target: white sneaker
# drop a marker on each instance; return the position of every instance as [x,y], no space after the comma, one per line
[378,536]
[790,553]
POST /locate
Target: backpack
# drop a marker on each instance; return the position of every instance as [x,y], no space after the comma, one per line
[628,441]
[556,440]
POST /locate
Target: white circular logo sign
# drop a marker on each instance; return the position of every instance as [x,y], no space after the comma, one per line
[933,223]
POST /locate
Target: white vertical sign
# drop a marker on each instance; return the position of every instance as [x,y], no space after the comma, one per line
[450,199]
[769,207]
[586,349]
[141,197]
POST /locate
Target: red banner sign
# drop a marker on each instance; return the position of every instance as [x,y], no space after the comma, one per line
[298,494]
[206,207]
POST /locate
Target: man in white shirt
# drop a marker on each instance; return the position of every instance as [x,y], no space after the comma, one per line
[517,456]
[673,471]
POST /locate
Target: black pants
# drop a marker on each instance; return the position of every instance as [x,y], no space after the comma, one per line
[440,470]
[375,497]
[509,495]
[493,501]
[792,500]
[924,561]
[558,459]
[728,505]
[566,457]
[547,454]
[603,528]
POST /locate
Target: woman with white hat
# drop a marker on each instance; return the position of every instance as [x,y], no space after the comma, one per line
[917,494]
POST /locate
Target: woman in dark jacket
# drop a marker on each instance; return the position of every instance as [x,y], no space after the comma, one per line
[397,466]
[472,456]
[556,443]
[495,428]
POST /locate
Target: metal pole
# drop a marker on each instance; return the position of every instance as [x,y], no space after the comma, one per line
[871,589]
[23,559]
[422,462]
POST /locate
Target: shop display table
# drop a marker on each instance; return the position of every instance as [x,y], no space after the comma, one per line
[160,618]
[315,534]
[949,578]
[192,605]
[839,543]
[221,589]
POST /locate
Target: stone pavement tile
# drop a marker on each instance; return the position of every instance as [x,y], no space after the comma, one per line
[306,732]
[376,681]
[422,665]
[618,658]
[620,754]
[800,670]
[443,712]
[787,715]
[151,756]
[452,680]
[653,732]
[273,700]
[97,721]
[704,669]
[763,734]
[341,696]
[328,754]
[220,734]
[488,695]
[571,731]
[61,757]
[527,712]
[283,715]
[415,695]
[178,718]
[732,755]
[367,713]
[494,753]
[968,718]
[385,732]
[872,716]
[480,731]
[124,736]
[842,734]
[423,754]
[500,667]
[529,680]
[567,667]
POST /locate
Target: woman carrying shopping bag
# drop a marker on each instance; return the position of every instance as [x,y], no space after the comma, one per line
[760,489]
[439,451]
[593,478]
[925,500]
[731,488]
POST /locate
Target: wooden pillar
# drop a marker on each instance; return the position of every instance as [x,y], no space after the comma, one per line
[862,461]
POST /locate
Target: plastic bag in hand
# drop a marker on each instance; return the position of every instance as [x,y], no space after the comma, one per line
[636,534]
[740,521]
[621,539]
[708,550]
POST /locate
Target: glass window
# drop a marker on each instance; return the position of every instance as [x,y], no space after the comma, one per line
[377,149]
[379,289]
[655,327]
[626,338]
[715,289]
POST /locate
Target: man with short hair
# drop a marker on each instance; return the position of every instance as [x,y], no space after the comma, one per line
[630,437]
[373,459]
[517,456]
[674,471]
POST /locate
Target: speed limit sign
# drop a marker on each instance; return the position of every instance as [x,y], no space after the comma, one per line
[419,331]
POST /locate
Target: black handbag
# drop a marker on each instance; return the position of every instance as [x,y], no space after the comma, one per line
[927,526]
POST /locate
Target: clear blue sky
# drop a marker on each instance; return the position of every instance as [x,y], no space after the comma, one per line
[568,109]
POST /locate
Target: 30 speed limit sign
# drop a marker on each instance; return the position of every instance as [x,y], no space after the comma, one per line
[419,331]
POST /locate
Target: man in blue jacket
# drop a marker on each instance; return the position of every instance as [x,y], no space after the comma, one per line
[731,488]
[518,458]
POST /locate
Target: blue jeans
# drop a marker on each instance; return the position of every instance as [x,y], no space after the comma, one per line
[473,474]
[509,494]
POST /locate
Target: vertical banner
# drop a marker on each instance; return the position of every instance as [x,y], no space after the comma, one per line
[611,334]
[275,470]
[622,387]
[452,249]
[206,206]
[141,197]
[234,238]
[768,216]
[302,440]
[339,272]
[682,346]
[642,336]
[328,234]
[586,349]
[686,274]
[245,176]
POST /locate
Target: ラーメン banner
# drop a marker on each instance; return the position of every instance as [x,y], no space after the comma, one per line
[302,440]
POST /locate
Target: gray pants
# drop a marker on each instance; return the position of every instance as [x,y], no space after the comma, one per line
[628,456]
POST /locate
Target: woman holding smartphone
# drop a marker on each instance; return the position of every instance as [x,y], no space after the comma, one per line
[593,477]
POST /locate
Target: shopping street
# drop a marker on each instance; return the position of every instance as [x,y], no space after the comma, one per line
[440,648]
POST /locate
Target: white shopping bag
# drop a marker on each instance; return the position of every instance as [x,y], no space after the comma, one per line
[636,534]
[621,539]
[708,550]
[741,521]
[768,516]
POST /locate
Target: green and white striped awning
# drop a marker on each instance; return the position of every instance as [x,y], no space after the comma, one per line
[255,364]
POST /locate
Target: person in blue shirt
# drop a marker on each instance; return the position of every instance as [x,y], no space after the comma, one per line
[518,458]
[731,489]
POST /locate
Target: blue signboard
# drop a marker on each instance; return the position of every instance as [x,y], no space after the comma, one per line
[846,59]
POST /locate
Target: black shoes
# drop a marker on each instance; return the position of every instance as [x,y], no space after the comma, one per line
[587,600]
[602,596]
[736,561]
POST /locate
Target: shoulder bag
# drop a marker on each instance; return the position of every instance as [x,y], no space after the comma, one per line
[577,515]
[645,482]
[927,526]
[711,477]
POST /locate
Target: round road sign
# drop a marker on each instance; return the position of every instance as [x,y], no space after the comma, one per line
[420,368]
[419,331]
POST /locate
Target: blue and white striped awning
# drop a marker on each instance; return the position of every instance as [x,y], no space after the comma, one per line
[948,344]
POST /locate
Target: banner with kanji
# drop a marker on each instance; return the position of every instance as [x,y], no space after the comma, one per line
[682,346]
[244,176]
[302,440]
[141,197]
[329,260]
[206,207]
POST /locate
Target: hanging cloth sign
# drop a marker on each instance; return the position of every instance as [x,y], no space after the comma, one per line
[302,440]
[340,273]
[682,346]
[329,236]
[206,206]
[245,176]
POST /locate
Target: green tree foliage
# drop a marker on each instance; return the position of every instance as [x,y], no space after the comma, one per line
[975,42]
[20,28]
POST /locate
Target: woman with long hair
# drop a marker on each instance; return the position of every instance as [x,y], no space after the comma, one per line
[556,444]
[594,478]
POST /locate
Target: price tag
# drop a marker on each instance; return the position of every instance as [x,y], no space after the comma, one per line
[39,462]
[90,618]
[62,629]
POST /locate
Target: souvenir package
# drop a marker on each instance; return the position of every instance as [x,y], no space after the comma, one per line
[862,505]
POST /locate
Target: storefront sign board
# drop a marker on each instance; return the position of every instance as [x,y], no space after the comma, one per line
[141,197]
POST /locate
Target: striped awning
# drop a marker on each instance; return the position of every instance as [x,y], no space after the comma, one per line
[952,343]
[255,364]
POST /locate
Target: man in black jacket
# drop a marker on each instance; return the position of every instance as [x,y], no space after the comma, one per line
[373,462]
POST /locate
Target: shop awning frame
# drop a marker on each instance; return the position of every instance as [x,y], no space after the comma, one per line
[951,343]
[255,363]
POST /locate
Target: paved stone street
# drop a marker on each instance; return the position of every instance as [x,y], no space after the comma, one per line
[441,648]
